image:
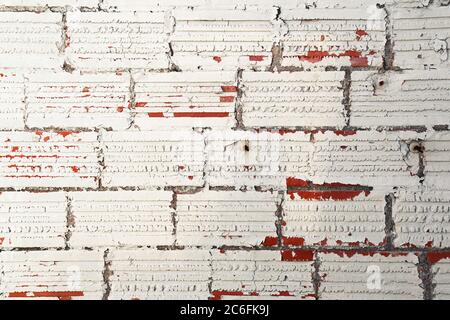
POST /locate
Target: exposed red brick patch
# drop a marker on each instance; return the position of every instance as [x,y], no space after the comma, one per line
[61,295]
[270,242]
[326,191]
[435,257]
[218,294]
[345,133]
[75,169]
[155,114]
[256,58]
[361,33]
[141,104]
[356,57]
[227,99]
[229,88]
[297,255]
[282,294]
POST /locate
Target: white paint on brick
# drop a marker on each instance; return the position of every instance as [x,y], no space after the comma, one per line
[110,41]
[12,99]
[141,159]
[32,220]
[293,99]
[349,221]
[222,39]
[410,98]
[64,100]
[148,5]
[364,158]
[160,274]
[48,159]
[319,38]
[442,279]
[367,158]
[421,217]
[229,164]
[225,218]
[437,160]
[166,101]
[347,278]
[51,275]
[421,38]
[30,40]
[121,218]
[260,275]
[50,3]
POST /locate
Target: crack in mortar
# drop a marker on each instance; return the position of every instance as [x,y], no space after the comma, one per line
[426,275]
[107,273]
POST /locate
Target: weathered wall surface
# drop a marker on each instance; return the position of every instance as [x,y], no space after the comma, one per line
[288,149]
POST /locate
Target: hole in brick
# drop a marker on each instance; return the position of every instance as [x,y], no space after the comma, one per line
[416,147]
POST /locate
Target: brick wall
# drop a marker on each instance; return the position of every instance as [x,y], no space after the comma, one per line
[288,149]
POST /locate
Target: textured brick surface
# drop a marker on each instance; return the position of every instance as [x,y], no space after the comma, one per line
[210,149]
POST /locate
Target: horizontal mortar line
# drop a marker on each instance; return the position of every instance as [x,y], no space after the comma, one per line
[375,249]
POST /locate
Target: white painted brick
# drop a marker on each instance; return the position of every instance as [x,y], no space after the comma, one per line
[348,4]
[437,160]
[157,274]
[441,278]
[336,37]
[260,275]
[225,218]
[32,220]
[110,41]
[422,217]
[362,158]
[349,278]
[222,39]
[121,218]
[50,3]
[421,38]
[30,40]
[153,159]
[48,159]
[12,105]
[334,222]
[60,275]
[367,158]
[185,100]
[293,99]
[410,98]
[65,100]
[229,164]
[148,5]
